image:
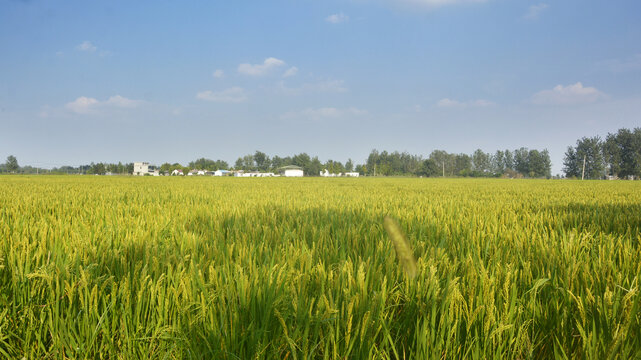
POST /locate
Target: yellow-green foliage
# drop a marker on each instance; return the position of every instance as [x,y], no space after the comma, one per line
[401,246]
[228,268]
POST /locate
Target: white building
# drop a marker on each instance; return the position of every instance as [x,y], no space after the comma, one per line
[326,173]
[220,172]
[177,172]
[143,168]
[347,174]
[292,171]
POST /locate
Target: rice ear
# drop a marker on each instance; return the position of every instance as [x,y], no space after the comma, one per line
[401,246]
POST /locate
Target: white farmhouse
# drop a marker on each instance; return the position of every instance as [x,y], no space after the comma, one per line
[292,171]
[220,172]
[143,168]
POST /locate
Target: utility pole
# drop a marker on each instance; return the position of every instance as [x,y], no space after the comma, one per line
[443,168]
[374,169]
[583,172]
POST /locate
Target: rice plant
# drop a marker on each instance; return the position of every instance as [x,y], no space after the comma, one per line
[222,268]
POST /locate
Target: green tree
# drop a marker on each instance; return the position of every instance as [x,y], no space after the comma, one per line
[262,161]
[430,168]
[444,161]
[278,162]
[508,160]
[239,164]
[303,160]
[547,163]
[588,151]
[570,163]
[463,165]
[334,167]
[208,164]
[166,167]
[12,164]
[521,161]
[314,168]
[349,165]
[622,153]
[498,162]
[538,164]
[482,163]
[98,169]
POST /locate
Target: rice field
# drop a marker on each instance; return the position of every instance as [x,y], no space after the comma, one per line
[228,268]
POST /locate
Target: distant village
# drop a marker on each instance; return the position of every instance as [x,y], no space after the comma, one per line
[146,169]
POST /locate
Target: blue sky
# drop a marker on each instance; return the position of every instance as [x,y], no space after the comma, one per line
[173,81]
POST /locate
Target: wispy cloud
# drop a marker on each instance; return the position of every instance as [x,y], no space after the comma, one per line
[317,114]
[232,95]
[87,46]
[568,95]
[88,105]
[82,105]
[122,102]
[260,69]
[218,73]
[449,103]
[292,71]
[337,18]
[535,11]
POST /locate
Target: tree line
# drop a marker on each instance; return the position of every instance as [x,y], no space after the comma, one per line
[517,163]
[11,166]
[618,156]
[521,162]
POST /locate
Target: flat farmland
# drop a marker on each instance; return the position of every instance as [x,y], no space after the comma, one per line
[241,268]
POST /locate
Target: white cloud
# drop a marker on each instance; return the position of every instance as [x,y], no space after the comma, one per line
[482,103]
[122,102]
[82,105]
[232,95]
[260,69]
[87,105]
[436,3]
[567,95]
[218,73]
[535,11]
[337,18]
[291,71]
[87,46]
[324,113]
[449,103]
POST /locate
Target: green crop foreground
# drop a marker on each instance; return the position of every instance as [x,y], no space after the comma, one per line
[228,268]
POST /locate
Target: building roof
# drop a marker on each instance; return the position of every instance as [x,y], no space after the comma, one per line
[290,167]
